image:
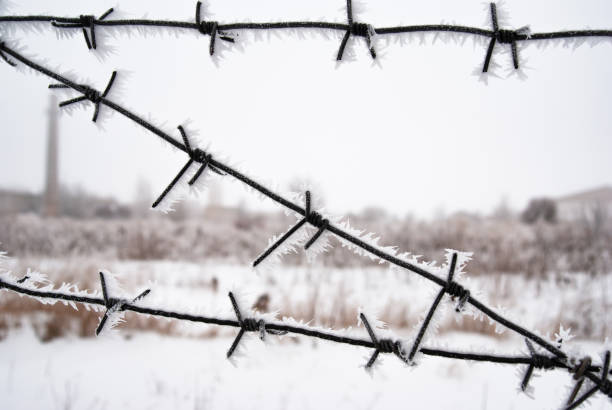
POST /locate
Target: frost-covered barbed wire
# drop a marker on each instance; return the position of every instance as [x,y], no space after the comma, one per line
[228,32]
[355,240]
[114,303]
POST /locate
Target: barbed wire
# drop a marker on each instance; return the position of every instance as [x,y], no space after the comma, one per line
[448,286]
[352,28]
[113,305]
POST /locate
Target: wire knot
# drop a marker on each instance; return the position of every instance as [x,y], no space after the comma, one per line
[540,361]
[92,95]
[316,219]
[87,20]
[361,29]
[207,27]
[200,156]
[390,346]
[253,325]
[506,36]
[385,346]
[88,94]
[250,324]
[455,289]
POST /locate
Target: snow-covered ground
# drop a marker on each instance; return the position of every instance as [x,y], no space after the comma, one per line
[155,372]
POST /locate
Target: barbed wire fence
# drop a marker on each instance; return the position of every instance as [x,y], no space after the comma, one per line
[559,359]
[228,32]
[114,305]
[555,358]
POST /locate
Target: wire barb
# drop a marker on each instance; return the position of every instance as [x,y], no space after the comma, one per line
[210,28]
[89,93]
[382,345]
[539,361]
[85,21]
[504,37]
[579,371]
[114,305]
[453,289]
[249,325]
[604,385]
[312,217]
[195,155]
[357,29]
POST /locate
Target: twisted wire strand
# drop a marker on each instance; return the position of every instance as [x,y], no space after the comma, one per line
[559,359]
[350,28]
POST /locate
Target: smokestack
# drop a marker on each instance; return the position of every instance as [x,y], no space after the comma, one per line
[51,196]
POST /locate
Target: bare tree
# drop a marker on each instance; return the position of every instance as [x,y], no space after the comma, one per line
[540,209]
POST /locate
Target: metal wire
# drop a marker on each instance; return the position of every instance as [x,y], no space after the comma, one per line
[352,28]
[249,324]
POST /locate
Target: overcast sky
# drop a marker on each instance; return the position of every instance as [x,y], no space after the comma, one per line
[415,133]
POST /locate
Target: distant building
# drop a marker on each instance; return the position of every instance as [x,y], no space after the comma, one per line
[14,202]
[591,204]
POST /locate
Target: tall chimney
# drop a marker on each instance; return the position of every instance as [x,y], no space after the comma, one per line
[51,196]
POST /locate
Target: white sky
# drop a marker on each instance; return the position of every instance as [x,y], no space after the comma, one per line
[415,134]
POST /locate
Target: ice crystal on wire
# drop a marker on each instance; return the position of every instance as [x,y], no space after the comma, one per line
[36,281]
[115,314]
